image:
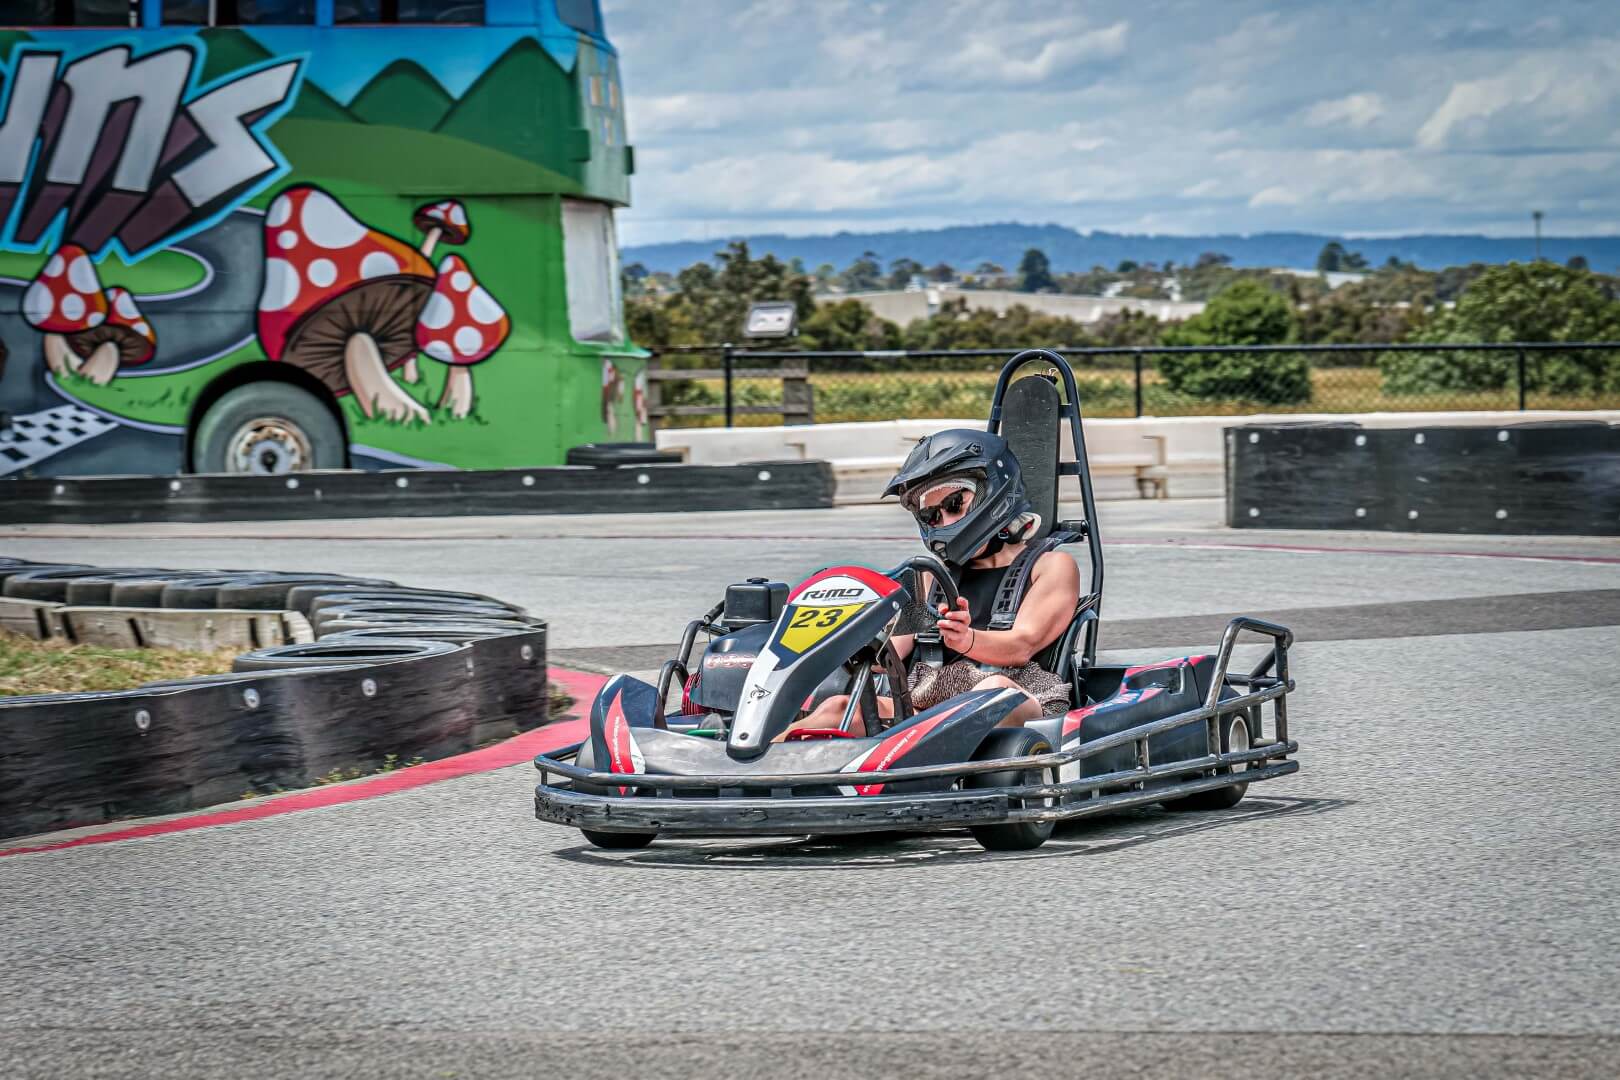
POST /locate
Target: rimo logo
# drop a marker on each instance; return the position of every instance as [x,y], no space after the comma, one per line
[128,150]
[833,594]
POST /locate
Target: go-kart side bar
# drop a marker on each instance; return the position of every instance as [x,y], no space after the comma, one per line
[767,781]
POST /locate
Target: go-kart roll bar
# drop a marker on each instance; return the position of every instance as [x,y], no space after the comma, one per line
[1080,467]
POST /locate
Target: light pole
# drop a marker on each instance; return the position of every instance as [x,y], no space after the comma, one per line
[1536,214]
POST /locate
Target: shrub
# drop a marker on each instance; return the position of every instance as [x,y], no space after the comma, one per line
[1244,313]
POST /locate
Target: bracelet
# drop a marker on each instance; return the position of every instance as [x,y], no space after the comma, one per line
[972,641]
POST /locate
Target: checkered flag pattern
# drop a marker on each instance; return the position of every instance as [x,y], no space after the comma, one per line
[33,437]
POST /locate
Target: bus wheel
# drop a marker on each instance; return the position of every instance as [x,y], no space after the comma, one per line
[268,427]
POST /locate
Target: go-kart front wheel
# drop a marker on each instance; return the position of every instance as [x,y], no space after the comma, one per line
[619,841]
[1235,736]
[1005,743]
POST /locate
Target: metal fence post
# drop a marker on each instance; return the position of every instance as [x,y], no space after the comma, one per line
[1521,380]
[731,402]
[1138,385]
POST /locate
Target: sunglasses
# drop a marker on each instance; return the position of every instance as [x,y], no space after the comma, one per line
[951,504]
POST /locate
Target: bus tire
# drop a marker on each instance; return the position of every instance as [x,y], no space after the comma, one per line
[270,427]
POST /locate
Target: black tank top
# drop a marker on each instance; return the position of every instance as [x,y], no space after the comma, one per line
[978,587]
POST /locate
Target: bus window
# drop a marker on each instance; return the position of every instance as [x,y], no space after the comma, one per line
[463,12]
[66,13]
[238,12]
[591,260]
[580,14]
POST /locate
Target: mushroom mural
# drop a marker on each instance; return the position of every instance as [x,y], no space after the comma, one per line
[612,394]
[639,399]
[445,221]
[460,326]
[124,339]
[340,300]
[64,301]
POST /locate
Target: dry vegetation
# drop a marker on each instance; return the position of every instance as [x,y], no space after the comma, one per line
[60,667]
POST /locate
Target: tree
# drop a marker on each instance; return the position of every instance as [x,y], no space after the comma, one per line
[942,271]
[901,271]
[1355,261]
[1127,266]
[1035,272]
[988,269]
[1212,258]
[1539,301]
[1331,259]
[1578,262]
[862,275]
[707,304]
[1244,313]
[847,325]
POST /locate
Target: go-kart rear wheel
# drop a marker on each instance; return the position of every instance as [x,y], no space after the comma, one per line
[1235,735]
[619,841]
[1015,835]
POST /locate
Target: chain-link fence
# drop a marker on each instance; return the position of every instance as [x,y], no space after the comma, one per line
[708,386]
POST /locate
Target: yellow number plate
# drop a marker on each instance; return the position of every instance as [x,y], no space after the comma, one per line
[808,625]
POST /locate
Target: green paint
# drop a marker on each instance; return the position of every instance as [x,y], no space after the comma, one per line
[162,272]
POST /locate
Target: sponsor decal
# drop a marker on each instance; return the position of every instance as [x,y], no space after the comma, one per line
[872,585]
[759,693]
[729,660]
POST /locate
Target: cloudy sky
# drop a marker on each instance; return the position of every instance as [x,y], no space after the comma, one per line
[1361,117]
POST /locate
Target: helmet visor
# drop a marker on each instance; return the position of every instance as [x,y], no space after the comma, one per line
[941,502]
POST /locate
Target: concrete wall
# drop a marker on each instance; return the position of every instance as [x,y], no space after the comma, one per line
[1153,456]
[910,305]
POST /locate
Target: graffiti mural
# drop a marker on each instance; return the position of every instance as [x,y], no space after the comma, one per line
[357,221]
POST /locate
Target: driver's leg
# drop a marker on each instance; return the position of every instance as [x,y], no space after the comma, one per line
[1029,710]
[830,713]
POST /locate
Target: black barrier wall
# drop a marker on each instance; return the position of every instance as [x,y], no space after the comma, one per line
[418,493]
[363,696]
[1547,478]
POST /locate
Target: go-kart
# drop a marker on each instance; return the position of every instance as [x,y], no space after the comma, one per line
[1185,732]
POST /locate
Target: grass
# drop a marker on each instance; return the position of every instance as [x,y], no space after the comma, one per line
[857,396]
[161,272]
[61,667]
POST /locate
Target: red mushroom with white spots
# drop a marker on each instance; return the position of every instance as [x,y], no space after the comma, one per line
[65,300]
[441,221]
[460,326]
[340,300]
[124,339]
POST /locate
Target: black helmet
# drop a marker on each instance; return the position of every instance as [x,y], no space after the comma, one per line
[974,459]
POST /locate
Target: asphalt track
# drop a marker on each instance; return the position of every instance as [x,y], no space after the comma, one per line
[1434,893]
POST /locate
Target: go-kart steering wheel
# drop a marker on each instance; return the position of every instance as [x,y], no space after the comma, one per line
[932,565]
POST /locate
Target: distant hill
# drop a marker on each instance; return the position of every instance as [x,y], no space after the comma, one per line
[966,246]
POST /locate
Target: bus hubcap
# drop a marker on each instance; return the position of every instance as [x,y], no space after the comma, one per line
[269,444]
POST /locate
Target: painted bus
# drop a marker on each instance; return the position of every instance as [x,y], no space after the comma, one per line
[282,235]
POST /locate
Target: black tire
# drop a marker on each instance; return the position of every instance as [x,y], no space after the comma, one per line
[316,435]
[340,654]
[1005,743]
[618,841]
[1236,729]
[613,455]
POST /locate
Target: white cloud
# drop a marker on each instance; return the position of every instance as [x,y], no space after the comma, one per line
[1353,110]
[1276,195]
[1116,114]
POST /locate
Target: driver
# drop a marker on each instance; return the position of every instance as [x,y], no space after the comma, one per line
[966,491]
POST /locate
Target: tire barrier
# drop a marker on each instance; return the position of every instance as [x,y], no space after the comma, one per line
[582,489]
[1552,478]
[336,675]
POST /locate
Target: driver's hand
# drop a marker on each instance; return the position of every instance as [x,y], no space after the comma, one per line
[954,630]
